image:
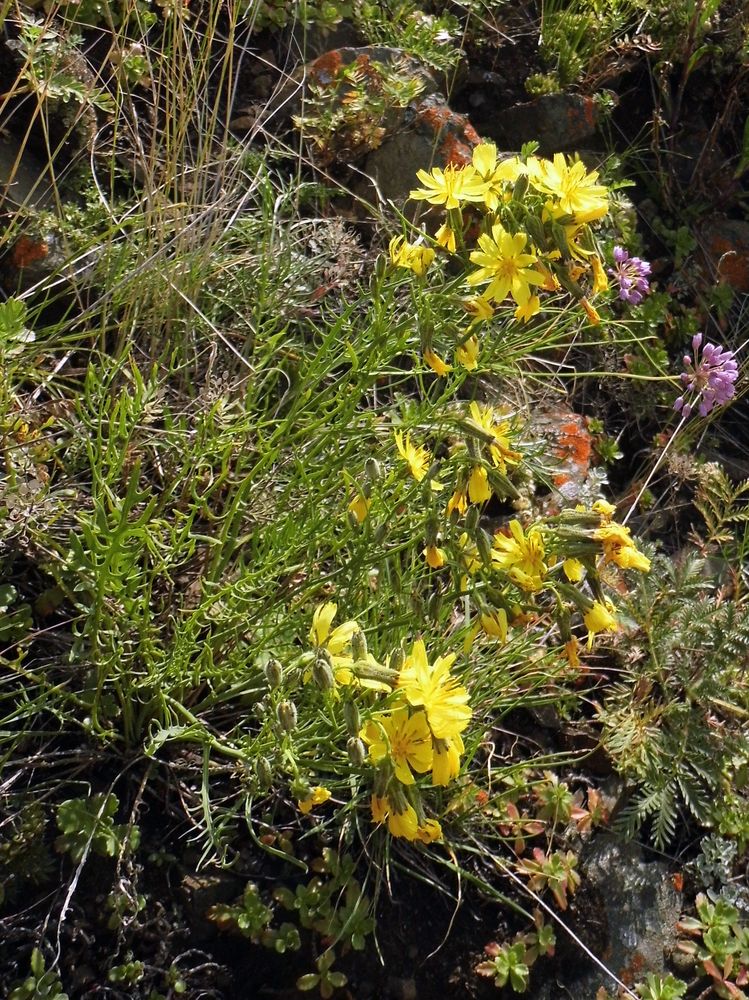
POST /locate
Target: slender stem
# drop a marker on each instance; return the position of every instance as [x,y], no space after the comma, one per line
[655,468]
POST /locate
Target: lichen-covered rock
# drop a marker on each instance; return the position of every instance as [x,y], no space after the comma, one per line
[725,250]
[555,121]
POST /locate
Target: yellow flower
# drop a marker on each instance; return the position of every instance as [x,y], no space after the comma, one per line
[446,760]
[458,501]
[467,354]
[432,688]
[449,187]
[405,739]
[316,797]
[590,312]
[504,265]
[434,556]
[359,507]
[494,624]
[429,831]
[479,307]
[478,485]
[521,556]
[531,307]
[574,190]
[499,449]
[404,823]
[435,362]
[417,458]
[497,175]
[600,619]
[619,547]
[320,634]
[445,237]
[600,281]
[573,570]
[411,256]
[571,651]
[400,824]
[604,509]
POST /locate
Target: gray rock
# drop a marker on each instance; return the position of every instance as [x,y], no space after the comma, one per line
[556,121]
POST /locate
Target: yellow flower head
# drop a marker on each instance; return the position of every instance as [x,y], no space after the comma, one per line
[600,619]
[429,831]
[359,507]
[497,175]
[435,556]
[502,262]
[592,314]
[458,501]
[600,281]
[479,307]
[431,687]
[436,363]
[449,187]
[573,570]
[404,823]
[619,547]
[574,190]
[499,449]
[531,307]
[411,256]
[316,797]
[416,457]
[467,354]
[445,237]
[494,624]
[320,634]
[446,761]
[405,739]
[478,485]
[521,556]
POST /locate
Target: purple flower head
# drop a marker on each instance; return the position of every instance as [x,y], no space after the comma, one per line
[709,379]
[630,273]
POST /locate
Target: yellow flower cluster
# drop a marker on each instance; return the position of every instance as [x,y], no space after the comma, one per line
[559,199]
[421,733]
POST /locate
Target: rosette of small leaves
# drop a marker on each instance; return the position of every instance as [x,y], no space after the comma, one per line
[88,824]
[507,965]
[40,984]
[327,980]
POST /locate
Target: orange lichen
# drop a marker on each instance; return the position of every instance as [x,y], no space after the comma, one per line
[27,250]
[326,67]
[573,443]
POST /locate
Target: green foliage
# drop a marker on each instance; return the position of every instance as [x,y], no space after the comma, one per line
[325,979]
[508,966]
[661,988]
[681,697]
[24,855]
[88,824]
[40,985]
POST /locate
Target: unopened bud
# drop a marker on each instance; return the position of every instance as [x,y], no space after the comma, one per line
[263,772]
[520,187]
[484,547]
[536,230]
[287,715]
[397,659]
[380,533]
[352,718]
[358,645]
[260,710]
[273,673]
[322,674]
[472,520]
[357,752]
[434,605]
[373,470]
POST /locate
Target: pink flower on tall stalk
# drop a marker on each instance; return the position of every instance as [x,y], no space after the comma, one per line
[709,378]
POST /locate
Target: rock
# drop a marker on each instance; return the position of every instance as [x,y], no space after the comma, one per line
[625,911]
[555,121]
[432,135]
[568,440]
[30,260]
[725,250]
[24,179]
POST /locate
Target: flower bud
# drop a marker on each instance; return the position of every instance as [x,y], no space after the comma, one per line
[357,753]
[380,533]
[358,645]
[484,546]
[472,520]
[287,715]
[352,718]
[273,673]
[322,672]
[263,772]
[434,605]
[397,659]
[373,470]
[520,187]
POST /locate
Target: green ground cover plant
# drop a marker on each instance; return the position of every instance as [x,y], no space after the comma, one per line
[286,555]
